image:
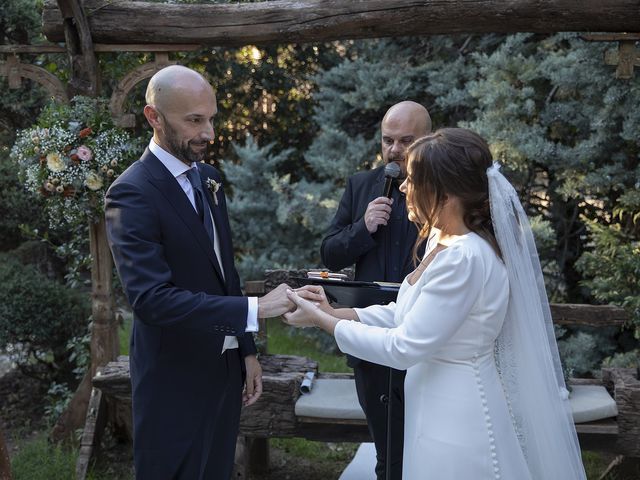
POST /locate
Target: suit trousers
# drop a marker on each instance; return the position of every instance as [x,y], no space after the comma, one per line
[214,458]
[372,383]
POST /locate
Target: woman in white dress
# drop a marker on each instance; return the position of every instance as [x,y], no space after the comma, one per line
[484,394]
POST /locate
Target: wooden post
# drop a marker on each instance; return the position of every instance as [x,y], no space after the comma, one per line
[5,461]
[105,345]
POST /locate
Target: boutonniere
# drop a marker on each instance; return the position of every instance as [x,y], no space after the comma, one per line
[213,187]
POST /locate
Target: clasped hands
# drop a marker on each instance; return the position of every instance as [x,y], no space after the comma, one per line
[301,307]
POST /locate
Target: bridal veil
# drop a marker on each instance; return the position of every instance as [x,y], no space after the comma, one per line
[526,350]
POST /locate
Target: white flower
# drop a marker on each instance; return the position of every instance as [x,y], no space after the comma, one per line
[93,181]
[213,187]
[54,162]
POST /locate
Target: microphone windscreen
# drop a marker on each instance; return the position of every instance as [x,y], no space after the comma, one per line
[392,170]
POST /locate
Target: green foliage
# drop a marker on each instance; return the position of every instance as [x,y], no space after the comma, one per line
[266,93]
[582,350]
[316,451]
[629,359]
[287,340]
[39,460]
[124,333]
[558,119]
[612,269]
[38,316]
[263,235]
[17,207]
[20,24]
[58,397]
[19,21]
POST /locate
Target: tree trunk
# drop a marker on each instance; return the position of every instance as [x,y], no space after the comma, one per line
[5,461]
[288,21]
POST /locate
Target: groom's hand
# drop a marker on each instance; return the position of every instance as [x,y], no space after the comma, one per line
[275,302]
[253,383]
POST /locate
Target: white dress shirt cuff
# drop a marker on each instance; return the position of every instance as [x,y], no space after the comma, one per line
[252,314]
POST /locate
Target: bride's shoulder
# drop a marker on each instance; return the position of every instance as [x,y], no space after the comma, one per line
[471,249]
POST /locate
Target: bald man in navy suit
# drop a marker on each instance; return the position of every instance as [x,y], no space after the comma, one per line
[192,354]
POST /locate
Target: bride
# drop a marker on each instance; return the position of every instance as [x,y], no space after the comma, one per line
[484,391]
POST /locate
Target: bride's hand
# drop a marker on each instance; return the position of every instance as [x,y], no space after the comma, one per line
[316,295]
[306,314]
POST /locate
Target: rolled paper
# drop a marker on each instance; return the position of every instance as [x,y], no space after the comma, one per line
[307,382]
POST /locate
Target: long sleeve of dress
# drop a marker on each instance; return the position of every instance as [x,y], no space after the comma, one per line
[378,315]
[449,288]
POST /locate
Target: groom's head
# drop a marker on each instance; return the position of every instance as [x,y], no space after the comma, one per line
[181,105]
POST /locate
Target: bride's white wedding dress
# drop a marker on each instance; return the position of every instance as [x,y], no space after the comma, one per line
[458,424]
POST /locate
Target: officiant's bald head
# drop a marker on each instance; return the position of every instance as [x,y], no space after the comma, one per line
[403,123]
[181,106]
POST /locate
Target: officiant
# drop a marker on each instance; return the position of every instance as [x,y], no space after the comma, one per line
[373,232]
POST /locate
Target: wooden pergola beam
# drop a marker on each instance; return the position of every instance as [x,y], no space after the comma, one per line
[325,20]
[99,48]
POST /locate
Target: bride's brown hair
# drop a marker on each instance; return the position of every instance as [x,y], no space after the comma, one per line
[451,161]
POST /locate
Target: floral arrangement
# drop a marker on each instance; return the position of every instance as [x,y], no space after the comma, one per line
[71,156]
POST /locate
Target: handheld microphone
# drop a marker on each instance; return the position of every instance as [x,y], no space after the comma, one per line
[391,172]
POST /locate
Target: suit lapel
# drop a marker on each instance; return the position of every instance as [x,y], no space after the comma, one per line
[162,179]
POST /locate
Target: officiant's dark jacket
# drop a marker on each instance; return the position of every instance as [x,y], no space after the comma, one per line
[182,310]
[384,256]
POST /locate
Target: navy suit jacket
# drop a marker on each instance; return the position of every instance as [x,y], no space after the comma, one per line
[182,306]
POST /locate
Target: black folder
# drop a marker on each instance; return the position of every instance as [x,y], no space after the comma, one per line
[354,294]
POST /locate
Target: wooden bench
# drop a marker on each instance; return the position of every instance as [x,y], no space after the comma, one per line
[274,415]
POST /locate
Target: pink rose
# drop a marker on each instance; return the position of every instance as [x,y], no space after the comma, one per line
[84,153]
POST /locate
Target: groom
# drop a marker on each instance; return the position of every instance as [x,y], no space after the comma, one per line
[191,345]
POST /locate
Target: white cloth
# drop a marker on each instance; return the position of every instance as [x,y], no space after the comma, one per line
[179,170]
[443,331]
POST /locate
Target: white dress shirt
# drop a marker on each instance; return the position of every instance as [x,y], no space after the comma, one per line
[179,171]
